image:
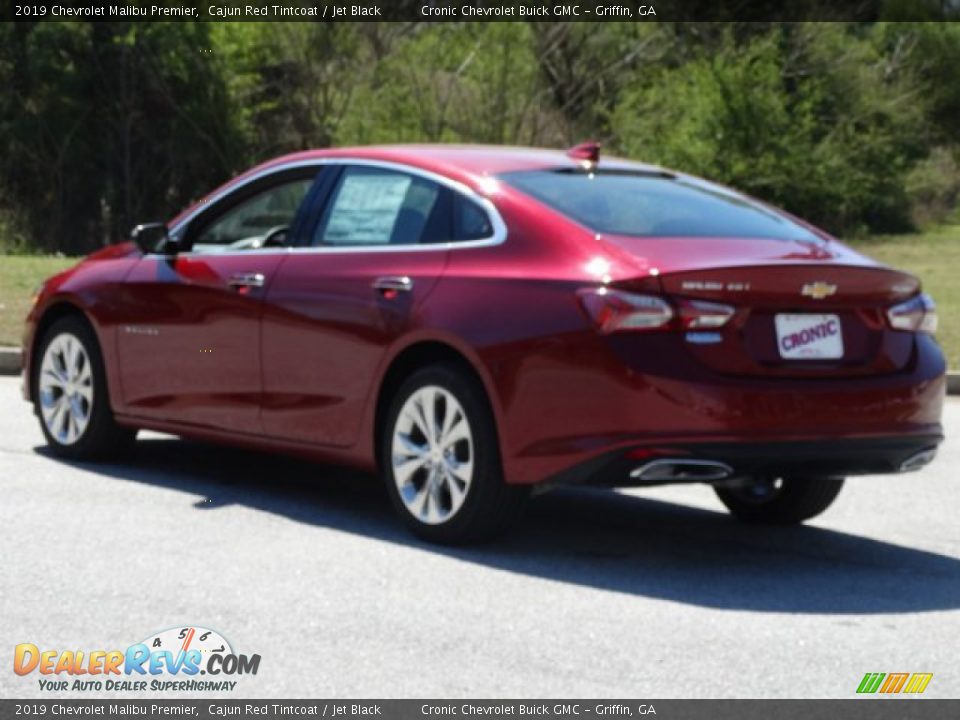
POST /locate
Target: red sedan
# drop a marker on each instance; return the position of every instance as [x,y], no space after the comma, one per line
[475,321]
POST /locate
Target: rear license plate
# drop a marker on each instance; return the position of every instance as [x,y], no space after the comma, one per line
[809,337]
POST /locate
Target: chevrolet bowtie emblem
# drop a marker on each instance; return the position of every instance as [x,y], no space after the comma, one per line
[818,290]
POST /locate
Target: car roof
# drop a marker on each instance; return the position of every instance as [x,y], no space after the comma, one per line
[468,164]
[464,160]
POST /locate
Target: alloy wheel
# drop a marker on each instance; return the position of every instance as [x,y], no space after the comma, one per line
[432,455]
[66,388]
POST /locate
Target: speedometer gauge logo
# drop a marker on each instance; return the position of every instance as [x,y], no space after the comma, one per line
[185,639]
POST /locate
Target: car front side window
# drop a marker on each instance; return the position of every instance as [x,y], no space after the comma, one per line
[260,220]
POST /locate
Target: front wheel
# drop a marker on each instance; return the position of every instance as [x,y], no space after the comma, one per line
[779,500]
[441,459]
[70,394]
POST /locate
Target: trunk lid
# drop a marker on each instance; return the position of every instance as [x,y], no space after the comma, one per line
[801,309]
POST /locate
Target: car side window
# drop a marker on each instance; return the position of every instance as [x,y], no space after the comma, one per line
[261,218]
[472,221]
[372,206]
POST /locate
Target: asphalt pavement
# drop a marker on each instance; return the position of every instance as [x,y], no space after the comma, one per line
[639,594]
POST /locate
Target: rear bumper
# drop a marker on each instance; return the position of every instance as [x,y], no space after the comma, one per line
[833,457]
[599,411]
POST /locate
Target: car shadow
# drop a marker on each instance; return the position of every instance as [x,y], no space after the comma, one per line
[595,538]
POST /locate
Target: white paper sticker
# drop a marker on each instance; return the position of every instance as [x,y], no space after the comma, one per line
[809,337]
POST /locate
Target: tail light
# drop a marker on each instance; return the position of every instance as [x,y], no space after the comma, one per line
[918,314]
[699,315]
[616,310]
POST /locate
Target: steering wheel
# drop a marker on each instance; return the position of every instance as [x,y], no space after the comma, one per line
[276,236]
[272,238]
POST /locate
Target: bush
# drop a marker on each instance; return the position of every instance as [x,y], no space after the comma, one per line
[933,187]
[13,233]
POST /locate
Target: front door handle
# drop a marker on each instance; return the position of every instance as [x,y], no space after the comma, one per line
[246,280]
[393,285]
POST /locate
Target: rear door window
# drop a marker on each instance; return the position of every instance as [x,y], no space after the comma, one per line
[372,206]
[472,221]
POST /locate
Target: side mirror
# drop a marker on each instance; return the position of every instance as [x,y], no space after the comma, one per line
[152,238]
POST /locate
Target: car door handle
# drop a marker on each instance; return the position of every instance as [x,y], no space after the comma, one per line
[391,286]
[246,280]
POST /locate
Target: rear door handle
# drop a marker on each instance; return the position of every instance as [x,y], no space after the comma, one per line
[392,285]
[246,280]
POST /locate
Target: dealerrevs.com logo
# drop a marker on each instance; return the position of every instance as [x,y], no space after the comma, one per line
[178,659]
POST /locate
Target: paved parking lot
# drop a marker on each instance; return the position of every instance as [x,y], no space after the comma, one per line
[598,594]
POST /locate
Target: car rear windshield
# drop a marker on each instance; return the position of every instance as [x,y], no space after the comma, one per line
[647,204]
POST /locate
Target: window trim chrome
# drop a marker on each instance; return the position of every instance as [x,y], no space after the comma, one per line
[498,237]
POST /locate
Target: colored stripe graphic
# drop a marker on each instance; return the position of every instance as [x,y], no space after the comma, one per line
[870,682]
[894,683]
[918,683]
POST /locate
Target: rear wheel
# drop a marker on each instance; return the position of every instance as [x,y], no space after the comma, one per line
[441,459]
[780,500]
[70,394]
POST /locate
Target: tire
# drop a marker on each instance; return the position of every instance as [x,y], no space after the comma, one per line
[71,397]
[780,501]
[449,491]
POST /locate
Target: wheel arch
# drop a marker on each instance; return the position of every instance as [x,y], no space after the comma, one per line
[56,310]
[419,354]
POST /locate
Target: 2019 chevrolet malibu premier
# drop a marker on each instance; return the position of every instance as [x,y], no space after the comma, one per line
[473,322]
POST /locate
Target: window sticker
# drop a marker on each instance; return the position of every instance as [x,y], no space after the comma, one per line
[366,209]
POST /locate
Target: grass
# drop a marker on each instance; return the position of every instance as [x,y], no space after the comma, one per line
[934,256]
[19,277]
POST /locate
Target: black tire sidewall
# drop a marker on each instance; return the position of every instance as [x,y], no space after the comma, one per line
[799,499]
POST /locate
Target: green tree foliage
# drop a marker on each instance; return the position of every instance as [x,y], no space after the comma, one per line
[108,124]
[852,125]
[290,83]
[804,116]
[455,83]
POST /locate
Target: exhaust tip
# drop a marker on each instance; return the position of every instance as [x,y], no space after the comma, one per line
[673,470]
[918,460]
